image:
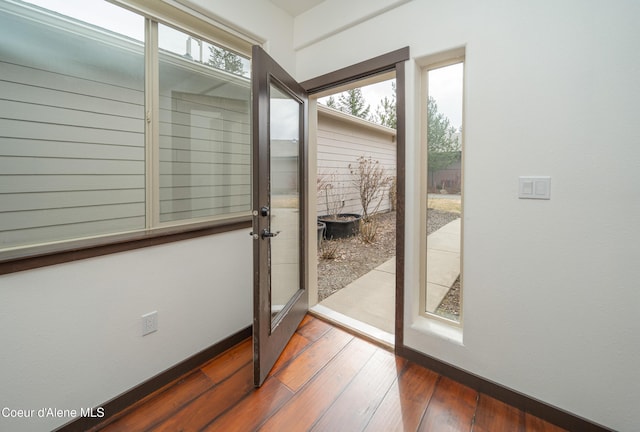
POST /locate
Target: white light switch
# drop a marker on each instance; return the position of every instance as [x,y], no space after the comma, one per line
[534,187]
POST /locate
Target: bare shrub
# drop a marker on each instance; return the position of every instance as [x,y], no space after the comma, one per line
[333,193]
[370,180]
[329,250]
[368,229]
[393,192]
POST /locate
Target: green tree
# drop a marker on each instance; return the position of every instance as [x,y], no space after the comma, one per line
[352,102]
[222,59]
[386,110]
[442,141]
[331,102]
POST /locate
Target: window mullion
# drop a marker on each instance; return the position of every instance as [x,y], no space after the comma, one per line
[152,135]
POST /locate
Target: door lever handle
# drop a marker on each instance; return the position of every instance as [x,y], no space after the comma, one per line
[268,234]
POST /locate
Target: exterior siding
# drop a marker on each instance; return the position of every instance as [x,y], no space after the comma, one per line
[71,157]
[341,141]
[205,153]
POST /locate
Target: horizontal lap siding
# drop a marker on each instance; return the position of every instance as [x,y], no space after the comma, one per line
[205,153]
[71,215]
[106,97]
[170,182]
[53,183]
[60,200]
[341,143]
[71,156]
[71,230]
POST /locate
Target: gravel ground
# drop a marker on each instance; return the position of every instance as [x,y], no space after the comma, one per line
[450,305]
[354,258]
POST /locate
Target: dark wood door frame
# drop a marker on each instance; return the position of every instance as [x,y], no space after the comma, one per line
[391,61]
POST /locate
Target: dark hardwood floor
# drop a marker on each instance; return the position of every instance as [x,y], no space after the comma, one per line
[326,380]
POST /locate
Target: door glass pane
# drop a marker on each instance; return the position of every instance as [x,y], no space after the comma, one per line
[285,199]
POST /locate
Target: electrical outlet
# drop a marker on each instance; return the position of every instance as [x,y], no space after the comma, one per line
[149,323]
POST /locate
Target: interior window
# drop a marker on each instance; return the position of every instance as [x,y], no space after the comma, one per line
[72,143]
[205,146]
[80,155]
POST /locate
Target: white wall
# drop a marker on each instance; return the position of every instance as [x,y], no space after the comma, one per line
[550,287]
[307,29]
[71,333]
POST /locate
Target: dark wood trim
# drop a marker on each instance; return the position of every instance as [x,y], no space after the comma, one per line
[516,399]
[42,256]
[358,71]
[270,338]
[394,60]
[400,198]
[120,405]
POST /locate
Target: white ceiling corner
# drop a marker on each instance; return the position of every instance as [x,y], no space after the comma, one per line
[296,7]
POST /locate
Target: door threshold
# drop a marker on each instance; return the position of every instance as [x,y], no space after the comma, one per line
[365,331]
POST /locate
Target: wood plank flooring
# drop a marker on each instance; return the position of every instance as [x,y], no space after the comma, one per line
[326,380]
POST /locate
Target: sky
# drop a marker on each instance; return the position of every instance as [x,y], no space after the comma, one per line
[99,13]
[445,85]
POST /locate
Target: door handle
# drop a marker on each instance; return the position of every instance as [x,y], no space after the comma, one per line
[268,234]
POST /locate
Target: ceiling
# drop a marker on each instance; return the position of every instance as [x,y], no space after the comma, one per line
[296,7]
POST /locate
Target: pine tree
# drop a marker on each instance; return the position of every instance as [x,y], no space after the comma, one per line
[222,59]
[443,145]
[352,102]
[331,102]
[386,110]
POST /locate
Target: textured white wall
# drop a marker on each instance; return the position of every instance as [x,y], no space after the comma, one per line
[550,287]
[307,29]
[71,333]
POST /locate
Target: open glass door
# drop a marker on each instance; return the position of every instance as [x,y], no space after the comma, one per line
[280,300]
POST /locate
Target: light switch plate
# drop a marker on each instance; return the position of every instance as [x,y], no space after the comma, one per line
[534,187]
[149,323]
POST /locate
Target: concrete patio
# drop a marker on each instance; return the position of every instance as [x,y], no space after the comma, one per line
[370,299]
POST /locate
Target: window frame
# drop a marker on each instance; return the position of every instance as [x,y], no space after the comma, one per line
[153,131]
[198,24]
[426,64]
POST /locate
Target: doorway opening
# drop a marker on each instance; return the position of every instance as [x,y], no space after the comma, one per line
[273,155]
[356,162]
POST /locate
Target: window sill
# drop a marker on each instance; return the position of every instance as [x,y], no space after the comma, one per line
[27,258]
[434,327]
